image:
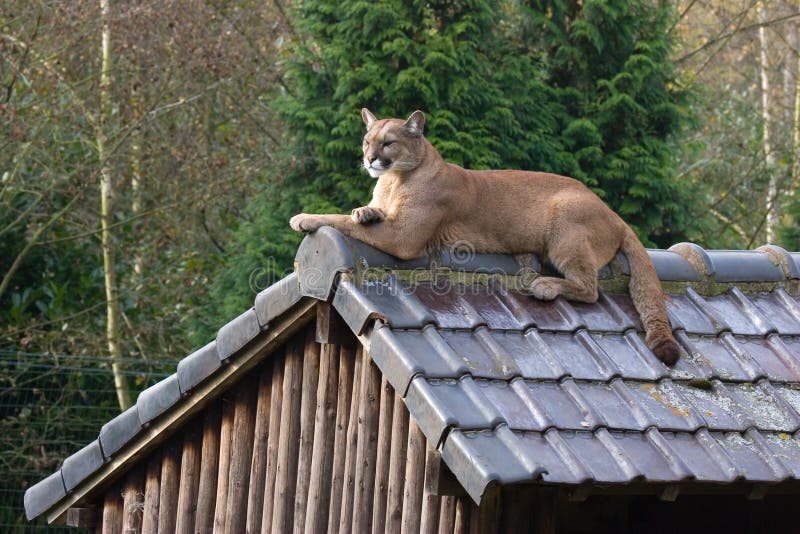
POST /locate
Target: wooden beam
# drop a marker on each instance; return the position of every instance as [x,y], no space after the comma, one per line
[244,420]
[485,519]
[344,392]
[430,497]
[286,475]
[133,501]
[319,491]
[170,479]
[189,478]
[367,446]
[463,508]
[153,435]
[308,408]
[415,479]
[87,517]
[223,468]
[331,328]
[209,468]
[447,515]
[258,468]
[382,462]
[112,511]
[346,513]
[397,465]
[152,490]
[273,439]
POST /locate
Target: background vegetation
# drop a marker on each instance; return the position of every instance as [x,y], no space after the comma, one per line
[152,153]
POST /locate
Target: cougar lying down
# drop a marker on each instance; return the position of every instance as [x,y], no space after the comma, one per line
[421,203]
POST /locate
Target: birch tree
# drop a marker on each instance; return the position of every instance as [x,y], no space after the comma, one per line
[113,310]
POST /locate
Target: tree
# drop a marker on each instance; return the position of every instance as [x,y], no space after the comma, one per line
[501,88]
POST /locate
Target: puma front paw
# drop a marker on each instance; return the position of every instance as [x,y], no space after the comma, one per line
[303,222]
[366,215]
[545,288]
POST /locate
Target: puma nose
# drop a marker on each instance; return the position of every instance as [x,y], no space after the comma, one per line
[371,158]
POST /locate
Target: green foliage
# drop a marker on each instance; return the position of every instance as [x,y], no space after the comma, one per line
[553,86]
[608,62]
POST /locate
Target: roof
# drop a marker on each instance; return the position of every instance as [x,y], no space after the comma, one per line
[512,389]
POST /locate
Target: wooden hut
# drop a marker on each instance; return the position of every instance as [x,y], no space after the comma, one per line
[367,394]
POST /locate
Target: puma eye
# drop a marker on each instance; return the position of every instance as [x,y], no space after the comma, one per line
[387,143]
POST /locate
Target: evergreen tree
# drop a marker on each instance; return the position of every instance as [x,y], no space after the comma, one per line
[587,97]
[608,64]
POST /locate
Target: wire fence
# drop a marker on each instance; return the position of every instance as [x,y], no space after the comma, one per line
[51,405]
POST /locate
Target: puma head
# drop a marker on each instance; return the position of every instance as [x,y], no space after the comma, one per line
[392,144]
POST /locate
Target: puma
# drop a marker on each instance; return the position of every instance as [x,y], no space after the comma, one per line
[421,202]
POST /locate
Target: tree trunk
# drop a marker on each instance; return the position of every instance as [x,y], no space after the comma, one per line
[113,311]
[796,121]
[771,201]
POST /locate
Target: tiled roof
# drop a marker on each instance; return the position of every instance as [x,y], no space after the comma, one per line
[515,390]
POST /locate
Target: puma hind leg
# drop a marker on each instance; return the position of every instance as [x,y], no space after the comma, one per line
[575,258]
[579,283]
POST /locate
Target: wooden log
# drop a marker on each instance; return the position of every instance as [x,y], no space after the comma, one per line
[463,508]
[382,461]
[133,501]
[344,394]
[415,479]
[308,408]
[367,445]
[84,517]
[273,439]
[430,498]
[544,511]
[485,519]
[447,515]
[190,477]
[244,420]
[170,479]
[397,465]
[258,467]
[112,511]
[319,491]
[518,502]
[286,475]
[346,513]
[152,490]
[225,437]
[331,328]
[209,469]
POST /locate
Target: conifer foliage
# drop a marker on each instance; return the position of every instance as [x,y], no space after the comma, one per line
[574,87]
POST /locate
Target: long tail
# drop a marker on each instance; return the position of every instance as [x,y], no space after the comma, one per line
[648,298]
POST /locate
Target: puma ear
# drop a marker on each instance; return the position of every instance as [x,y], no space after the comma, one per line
[368,117]
[415,123]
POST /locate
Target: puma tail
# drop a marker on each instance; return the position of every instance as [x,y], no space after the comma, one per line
[648,298]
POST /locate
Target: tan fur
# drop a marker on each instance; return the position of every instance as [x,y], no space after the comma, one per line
[421,202]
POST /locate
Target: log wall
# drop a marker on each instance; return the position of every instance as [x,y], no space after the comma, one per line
[313,440]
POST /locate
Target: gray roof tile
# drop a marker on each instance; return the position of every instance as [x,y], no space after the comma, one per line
[237,334]
[198,366]
[81,464]
[158,398]
[43,495]
[119,431]
[276,299]
[388,300]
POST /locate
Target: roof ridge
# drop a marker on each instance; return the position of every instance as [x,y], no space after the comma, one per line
[682,262]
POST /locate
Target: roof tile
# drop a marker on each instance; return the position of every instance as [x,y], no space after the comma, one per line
[198,366]
[237,334]
[44,494]
[665,406]
[156,399]
[277,298]
[81,464]
[119,431]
